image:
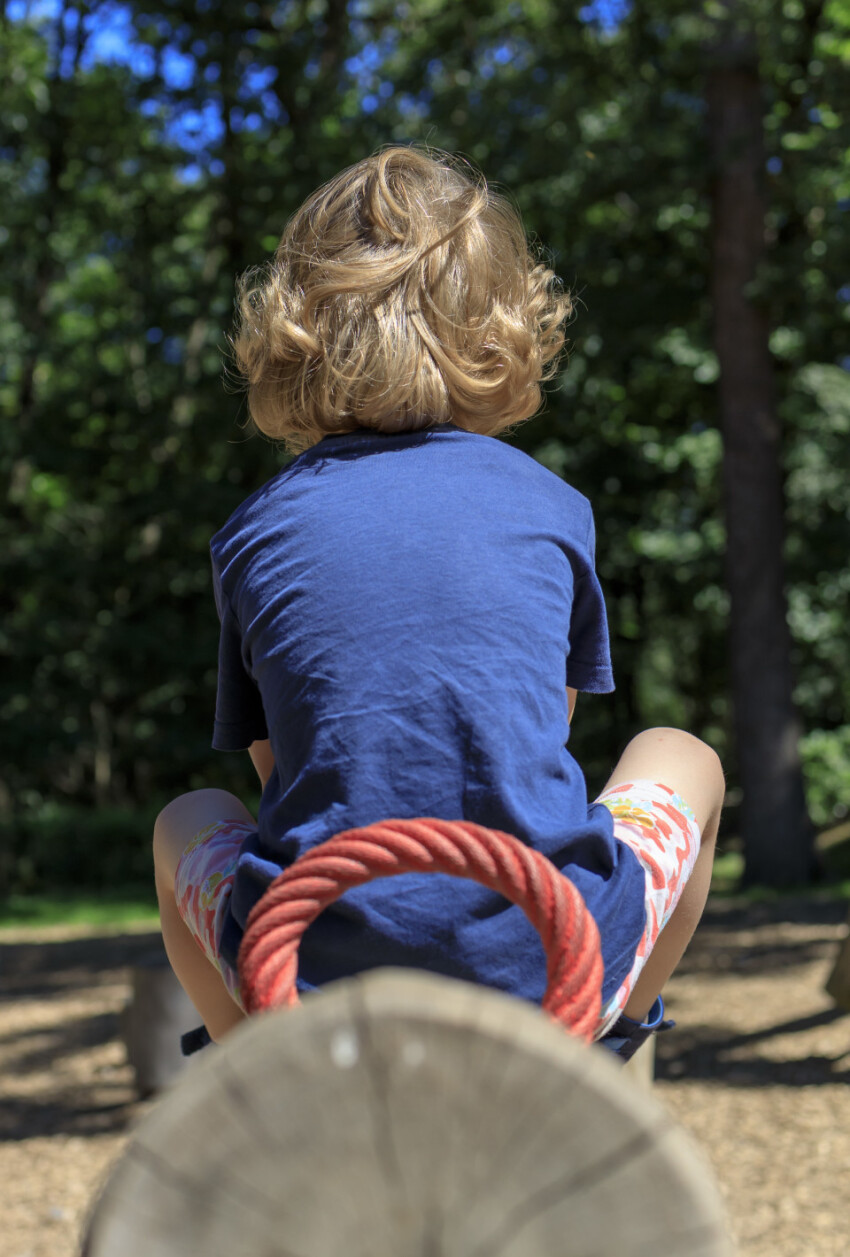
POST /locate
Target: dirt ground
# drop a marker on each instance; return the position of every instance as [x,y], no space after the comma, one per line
[758,1069]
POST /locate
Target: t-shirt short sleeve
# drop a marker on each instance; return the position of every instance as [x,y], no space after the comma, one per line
[589,660]
[239,716]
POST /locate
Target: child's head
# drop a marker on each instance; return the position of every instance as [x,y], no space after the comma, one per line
[402,295]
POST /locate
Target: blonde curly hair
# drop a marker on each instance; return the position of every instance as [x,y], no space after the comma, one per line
[403,294]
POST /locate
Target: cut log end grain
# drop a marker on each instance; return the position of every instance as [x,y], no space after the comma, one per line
[403,1115]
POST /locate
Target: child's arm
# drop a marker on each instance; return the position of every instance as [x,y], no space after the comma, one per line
[262,759]
[571,705]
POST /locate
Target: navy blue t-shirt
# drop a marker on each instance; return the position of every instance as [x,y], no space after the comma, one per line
[401,616]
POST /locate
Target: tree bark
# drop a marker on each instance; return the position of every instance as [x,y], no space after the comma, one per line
[777,833]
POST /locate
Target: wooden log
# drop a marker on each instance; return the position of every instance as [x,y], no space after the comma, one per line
[402,1115]
[158,1013]
[838,982]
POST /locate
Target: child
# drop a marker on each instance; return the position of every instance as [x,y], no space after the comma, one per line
[408,610]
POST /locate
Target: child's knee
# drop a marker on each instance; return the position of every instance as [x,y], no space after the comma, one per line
[174,829]
[689,749]
[685,764]
[183,818]
[167,838]
[704,756]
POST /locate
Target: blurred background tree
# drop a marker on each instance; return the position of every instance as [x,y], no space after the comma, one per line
[151,151]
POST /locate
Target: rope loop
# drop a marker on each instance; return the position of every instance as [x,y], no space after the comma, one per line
[268,957]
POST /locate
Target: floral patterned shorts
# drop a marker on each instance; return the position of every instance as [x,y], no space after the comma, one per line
[660,828]
[651,819]
[202,888]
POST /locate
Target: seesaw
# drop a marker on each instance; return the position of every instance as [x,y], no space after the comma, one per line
[399,1114]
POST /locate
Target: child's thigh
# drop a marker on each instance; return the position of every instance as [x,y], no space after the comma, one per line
[688,766]
[661,830]
[199,839]
[183,819]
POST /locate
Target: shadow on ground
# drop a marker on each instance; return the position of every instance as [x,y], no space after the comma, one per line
[763,937]
[705,1053]
[36,970]
[61,1072]
[756,940]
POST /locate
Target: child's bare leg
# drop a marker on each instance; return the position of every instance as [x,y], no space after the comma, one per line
[176,825]
[691,768]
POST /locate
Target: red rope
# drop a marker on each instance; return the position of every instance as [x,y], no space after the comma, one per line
[268,957]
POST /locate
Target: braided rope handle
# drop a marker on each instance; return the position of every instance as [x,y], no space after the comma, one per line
[268,957]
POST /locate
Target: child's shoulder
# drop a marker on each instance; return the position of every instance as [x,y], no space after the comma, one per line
[534,476]
[484,466]
[246,518]
[544,475]
[489,454]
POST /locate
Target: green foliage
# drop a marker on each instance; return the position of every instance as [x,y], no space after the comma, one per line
[132,195]
[66,845]
[826,760]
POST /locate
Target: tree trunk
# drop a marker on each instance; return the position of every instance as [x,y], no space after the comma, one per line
[777,833]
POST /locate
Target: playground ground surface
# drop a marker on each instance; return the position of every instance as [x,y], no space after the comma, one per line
[758,1069]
